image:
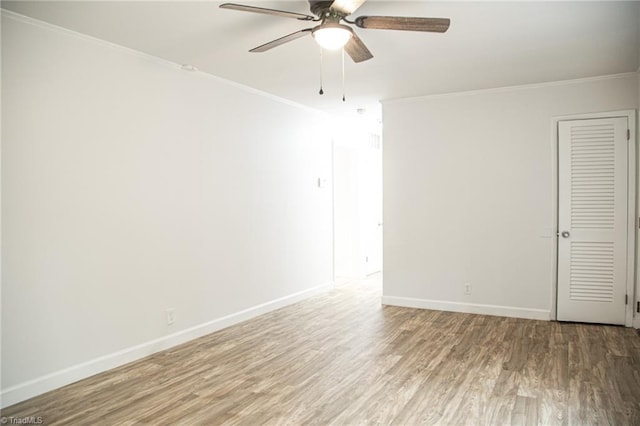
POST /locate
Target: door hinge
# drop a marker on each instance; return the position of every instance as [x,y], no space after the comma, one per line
[628,134]
[626,299]
[637,306]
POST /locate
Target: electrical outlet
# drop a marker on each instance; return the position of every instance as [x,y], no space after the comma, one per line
[467,288]
[171,316]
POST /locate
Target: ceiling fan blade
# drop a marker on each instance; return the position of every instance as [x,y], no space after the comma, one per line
[357,50]
[347,6]
[283,13]
[433,25]
[282,40]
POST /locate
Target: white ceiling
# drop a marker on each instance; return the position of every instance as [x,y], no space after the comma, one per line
[489,44]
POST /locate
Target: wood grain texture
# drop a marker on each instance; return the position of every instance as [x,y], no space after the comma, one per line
[342,359]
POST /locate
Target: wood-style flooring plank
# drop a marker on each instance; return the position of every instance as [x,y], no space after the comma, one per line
[343,359]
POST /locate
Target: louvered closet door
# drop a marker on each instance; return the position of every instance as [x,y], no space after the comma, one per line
[592,220]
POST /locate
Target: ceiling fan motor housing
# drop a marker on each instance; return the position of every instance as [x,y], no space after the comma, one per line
[322,8]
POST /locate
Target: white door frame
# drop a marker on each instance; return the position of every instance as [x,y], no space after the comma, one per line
[632,216]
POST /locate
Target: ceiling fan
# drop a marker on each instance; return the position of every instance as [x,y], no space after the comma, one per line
[332,34]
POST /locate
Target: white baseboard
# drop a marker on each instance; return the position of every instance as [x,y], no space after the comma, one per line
[469,308]
[52,381]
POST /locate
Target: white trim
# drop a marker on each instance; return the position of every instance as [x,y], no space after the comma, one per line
[506,89]
[86,369]
[158,60]
[635,293]
[630,114]
[553,315]
[632,197]
[469,308]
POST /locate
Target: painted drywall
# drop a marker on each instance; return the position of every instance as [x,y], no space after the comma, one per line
[468,194]
[130,186]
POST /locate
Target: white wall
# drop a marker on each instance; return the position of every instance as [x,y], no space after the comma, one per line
[348,257]
[468,194]
[130,186]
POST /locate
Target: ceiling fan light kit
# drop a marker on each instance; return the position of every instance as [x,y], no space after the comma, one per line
[332,36]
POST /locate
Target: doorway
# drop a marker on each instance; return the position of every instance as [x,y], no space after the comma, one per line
[596,217]
[357,177]
[371,193]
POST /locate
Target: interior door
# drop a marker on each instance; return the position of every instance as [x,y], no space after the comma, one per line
[592,220]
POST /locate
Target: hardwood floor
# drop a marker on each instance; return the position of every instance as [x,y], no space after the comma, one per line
[341,358]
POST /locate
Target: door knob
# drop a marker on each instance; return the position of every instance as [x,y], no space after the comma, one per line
[565,234]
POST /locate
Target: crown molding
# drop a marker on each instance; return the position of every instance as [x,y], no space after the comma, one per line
[160,61]
[506,89]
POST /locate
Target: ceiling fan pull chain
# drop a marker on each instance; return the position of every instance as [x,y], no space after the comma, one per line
[321,71]
[344,99]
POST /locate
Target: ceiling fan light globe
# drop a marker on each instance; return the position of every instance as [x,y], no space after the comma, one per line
[332,37]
